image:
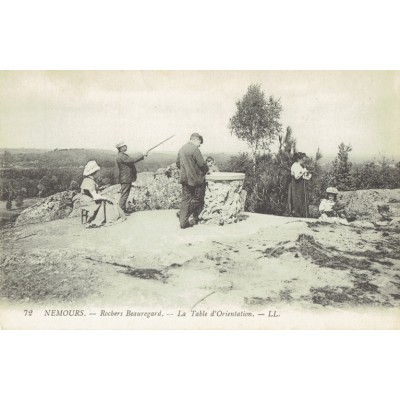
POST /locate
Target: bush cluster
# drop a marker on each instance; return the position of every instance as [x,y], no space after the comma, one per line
[273,177]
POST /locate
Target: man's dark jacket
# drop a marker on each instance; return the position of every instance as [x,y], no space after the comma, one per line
[191,164]
[126,166]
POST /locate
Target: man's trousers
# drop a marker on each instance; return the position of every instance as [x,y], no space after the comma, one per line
[125,190]
[192,202]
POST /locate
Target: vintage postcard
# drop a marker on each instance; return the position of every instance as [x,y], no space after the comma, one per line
[200,200]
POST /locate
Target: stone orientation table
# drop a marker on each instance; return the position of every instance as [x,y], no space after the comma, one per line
[223,200]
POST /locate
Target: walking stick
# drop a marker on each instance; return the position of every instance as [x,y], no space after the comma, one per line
[152,148]
[305,198]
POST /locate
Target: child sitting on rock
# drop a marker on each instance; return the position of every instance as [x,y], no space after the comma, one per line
[331,210]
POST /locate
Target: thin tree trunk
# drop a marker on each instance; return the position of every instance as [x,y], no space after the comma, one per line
[255,179]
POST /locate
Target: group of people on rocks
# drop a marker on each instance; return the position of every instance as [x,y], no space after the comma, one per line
[102,210]
[193,168]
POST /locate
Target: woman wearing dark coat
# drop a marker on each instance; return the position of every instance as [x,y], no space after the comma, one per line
[298,199]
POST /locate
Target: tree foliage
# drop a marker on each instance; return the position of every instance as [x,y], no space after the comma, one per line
[340,175]
[375,175]
[267,190]
[287,142]
[256,120]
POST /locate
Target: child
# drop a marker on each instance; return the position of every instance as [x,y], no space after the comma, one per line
[331,210]
[212,167]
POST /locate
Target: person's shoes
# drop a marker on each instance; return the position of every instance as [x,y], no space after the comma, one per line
[186,226]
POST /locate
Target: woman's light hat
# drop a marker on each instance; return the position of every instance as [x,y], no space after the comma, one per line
[90,168]
[332,190]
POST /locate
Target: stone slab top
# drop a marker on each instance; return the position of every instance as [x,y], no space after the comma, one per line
[225,176]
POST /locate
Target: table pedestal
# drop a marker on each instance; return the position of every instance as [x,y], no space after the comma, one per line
[223,200]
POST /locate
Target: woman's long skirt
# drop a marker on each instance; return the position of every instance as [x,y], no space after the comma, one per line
[298,199]
[101,213]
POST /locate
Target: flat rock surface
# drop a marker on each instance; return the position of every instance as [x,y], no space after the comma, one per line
[148,261]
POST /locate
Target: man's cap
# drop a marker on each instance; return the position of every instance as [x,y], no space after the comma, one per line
[120,144]
[196,136]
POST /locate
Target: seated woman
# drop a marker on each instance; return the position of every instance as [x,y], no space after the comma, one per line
[331,211]
[102,211]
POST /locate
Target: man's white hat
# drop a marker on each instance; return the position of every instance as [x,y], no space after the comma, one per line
[120,144]
[90,168]
[332,190]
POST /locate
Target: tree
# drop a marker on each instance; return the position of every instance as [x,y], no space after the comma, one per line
[340,174]
[9,204]
[267,191]
[376,175]
[317,190]
[19,198]
[54,183]
[41,188]
[256,121]
[7,159]
[288,142]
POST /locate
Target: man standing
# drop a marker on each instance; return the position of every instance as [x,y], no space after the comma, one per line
[127,172]
[192,170]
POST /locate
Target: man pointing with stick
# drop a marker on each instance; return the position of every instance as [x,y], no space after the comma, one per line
[127,170]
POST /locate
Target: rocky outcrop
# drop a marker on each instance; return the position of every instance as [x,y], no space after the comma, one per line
[57,206]
[149,192]
[376,206]
[171,171]
[158,193]
[223,200]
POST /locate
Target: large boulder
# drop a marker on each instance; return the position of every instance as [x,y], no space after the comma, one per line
[162,193]
[377,206]
[56,206]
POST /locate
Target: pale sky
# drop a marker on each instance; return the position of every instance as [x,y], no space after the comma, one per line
[97,109]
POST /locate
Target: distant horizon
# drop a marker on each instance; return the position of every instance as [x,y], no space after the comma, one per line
[330,156]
